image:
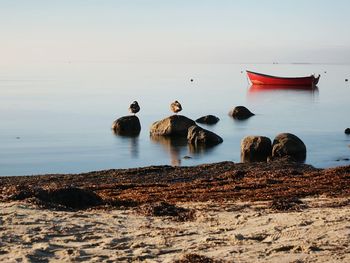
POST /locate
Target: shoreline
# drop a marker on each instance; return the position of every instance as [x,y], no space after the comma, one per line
[216,181]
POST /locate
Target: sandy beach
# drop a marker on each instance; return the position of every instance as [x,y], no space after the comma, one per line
[142,217]
[227,232]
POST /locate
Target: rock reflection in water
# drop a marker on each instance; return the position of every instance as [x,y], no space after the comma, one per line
[179,148]
[173,146]
[133,143]
[200,149]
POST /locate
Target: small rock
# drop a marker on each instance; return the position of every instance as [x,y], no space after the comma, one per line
[287,144]
[199,136]
[175,125]
[241,113]
[255,149]
[346,80]
[208,119]
[347,131]
[127,125]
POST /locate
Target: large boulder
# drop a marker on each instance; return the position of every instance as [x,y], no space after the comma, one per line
[127,125]
[208,119]
[175,125]
[240,113]
[199,136]
[255,149]
[287,144]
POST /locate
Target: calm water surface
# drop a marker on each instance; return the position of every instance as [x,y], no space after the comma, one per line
[56,118]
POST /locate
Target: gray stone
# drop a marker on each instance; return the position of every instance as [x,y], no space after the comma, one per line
[127,125]
[199,136]
[255,149]
[287,144]
[208,119]
[175,125]
[241,113]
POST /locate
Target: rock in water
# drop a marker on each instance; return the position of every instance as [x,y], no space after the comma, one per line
[255,149]
[287,144]
[347,131]
[208,119]
[175,125]
[127,125]
[241,113]
[199,136]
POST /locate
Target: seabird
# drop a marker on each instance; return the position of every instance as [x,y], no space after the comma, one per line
[175,106]
[134,107]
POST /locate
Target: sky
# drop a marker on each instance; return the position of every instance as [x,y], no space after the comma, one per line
[175,31]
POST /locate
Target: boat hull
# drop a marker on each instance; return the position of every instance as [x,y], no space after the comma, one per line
[263,79]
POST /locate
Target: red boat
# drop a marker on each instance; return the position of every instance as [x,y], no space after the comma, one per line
[263,79]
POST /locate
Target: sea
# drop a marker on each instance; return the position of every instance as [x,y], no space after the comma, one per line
[56,117]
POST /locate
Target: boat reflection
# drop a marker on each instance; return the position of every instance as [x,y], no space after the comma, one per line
[271,92]
[271,88]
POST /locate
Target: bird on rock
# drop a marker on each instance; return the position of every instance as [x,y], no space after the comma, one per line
[175,107]
[134,107]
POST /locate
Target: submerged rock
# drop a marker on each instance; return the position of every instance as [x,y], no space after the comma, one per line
[199,136]
[287,144]
[208,119]
[175,125]
[127,125]
[255,149]
[241,113]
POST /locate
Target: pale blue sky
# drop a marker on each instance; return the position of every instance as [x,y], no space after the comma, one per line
[202,31]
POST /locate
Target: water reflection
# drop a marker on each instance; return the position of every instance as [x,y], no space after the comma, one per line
[174,146]
[261,90]
[200,149]
[274,88]
[133,141]
[179,148]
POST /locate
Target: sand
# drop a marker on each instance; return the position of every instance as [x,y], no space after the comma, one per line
[222,231]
